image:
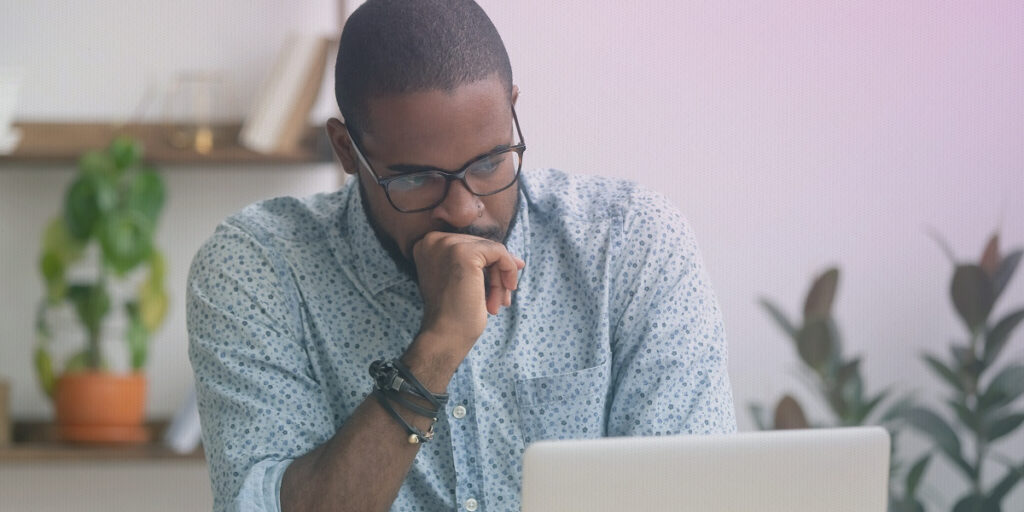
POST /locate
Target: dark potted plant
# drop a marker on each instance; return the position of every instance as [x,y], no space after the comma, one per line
[983,391]
[112,206]
[837,383]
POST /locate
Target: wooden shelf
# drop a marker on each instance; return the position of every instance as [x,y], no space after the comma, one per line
[36,441]
[43,143]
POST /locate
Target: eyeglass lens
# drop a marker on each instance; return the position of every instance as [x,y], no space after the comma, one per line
[425,190]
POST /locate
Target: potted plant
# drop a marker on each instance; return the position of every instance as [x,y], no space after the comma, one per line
[982,390]
[837,383]
[110,208]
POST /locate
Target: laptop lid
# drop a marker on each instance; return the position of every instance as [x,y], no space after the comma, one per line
[816,470]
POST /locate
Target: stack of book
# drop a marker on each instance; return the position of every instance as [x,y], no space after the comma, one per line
[280,115]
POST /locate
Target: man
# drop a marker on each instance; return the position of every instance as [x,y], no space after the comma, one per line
[544,305]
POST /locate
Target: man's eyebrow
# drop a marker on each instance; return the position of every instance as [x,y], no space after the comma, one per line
[411,168]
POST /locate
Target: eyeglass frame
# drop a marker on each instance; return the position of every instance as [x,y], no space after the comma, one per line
[459,175]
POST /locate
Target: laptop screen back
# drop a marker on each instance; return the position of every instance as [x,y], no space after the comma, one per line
[819,470]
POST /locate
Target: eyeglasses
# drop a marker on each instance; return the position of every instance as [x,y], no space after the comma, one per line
[424,190]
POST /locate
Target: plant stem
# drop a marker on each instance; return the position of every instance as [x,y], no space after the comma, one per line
[980,445]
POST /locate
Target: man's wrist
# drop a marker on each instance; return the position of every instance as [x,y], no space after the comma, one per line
[431,360]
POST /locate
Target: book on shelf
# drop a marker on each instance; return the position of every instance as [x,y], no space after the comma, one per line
[280,113]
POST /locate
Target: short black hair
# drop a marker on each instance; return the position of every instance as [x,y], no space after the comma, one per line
[391,47]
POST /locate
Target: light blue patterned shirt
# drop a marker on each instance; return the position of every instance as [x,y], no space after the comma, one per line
[614,331]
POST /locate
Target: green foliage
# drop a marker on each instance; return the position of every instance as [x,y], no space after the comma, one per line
[835,379]
[983,406]
[818,343]
[113,202]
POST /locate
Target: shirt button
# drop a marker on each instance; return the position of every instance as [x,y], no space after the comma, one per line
[471,505]
[460,412]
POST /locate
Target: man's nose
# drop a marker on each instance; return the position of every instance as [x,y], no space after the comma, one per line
[460,208]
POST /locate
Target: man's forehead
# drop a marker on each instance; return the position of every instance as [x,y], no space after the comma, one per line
[475,117]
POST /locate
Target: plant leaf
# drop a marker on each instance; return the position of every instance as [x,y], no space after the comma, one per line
[757,412]
[1005,387]
[865,409]
[941,242]
[941,433]
[44,370]
[58,240]
[137,336]
[944,372]
[52,268]
[973,503]
[125,152]
[897,410]
[91,303]
[968,368]
[1005,272]
[973,295]
[780,317]
[990,258]
[152,306]
[146,194]
[789,414]
[78,362]
[126,239]
[964,414]
[906,505]
[98,163]
[847,371]
[1004,426]
[814,342]
[1013,475]
[88,197]
[996,338]
[915,474]
[822,294]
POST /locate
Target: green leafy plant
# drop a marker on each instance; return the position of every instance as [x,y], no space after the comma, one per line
[837,381]
[982,395]
[113,202]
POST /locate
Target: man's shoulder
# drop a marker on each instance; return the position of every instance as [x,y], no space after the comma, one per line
[555,193]
[288,218]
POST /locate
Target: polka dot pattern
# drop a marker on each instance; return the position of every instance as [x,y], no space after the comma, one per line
[614,331]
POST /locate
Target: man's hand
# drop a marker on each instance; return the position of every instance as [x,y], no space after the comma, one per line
[456,294]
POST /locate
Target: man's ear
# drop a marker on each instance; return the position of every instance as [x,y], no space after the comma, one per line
[342,144]
[515,94]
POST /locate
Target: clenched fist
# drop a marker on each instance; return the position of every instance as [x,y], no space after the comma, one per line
[461,279]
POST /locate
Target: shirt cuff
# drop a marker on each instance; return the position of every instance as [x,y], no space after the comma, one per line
[261,489]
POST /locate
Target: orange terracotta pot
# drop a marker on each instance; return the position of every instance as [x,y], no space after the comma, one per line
[99,407]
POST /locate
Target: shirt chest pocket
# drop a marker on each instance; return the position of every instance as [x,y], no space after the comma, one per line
[565,406]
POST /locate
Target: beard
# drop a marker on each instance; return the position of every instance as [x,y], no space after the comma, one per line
[406,265]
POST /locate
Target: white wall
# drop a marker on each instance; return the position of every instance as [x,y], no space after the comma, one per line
[793,134]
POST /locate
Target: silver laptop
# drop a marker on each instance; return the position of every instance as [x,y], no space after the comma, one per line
[818,470]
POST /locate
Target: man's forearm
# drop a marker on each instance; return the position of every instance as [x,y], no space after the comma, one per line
[363,466]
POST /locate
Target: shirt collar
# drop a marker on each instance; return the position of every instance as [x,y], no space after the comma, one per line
[358,248]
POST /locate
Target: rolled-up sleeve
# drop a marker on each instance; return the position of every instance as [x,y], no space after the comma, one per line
[259,403]
[668,344]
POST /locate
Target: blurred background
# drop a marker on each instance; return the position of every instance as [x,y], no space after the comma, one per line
[794,135]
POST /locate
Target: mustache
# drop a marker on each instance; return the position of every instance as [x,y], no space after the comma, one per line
[492,233]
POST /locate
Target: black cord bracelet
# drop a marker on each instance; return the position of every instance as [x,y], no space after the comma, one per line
[395,376]
[439,399]
[416,436]
[422,411]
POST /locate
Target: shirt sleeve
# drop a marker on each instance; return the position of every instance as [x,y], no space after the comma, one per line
[259,403]
[669,354]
